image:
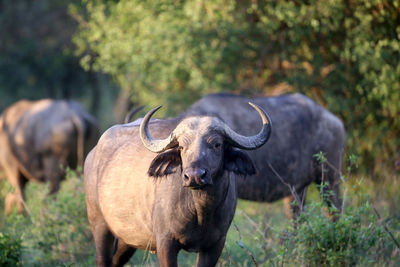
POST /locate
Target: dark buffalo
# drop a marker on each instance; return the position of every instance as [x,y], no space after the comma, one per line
[303,129]
[37,138]
[183,197]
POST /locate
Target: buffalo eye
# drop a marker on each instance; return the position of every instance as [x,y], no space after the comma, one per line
[217,145]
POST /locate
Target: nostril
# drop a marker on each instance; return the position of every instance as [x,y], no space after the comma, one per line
[203,174]
[186,177]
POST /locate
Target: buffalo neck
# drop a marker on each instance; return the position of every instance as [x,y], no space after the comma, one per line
[208,201]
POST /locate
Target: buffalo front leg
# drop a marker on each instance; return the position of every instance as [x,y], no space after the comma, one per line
[18,198]
[167,253]
[103,240]
[209,257]
[122,254]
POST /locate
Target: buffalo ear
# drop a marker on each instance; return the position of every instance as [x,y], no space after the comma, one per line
[238,162]
[165,163]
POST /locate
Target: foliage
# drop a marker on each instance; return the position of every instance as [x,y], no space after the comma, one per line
[37,57]
[55,231]
[359,238]
[10,250]
[356,238]
[345,55]
[165,51]
[35,60]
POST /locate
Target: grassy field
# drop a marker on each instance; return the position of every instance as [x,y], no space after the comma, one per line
[55,231]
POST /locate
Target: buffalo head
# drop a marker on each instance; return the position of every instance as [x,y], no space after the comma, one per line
[202,147]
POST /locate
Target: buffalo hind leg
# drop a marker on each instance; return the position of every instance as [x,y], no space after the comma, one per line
[330,191]
[330,178]
[293,210]
[122,254]
[331,196]
[53,173]
[210,256]
[287,204]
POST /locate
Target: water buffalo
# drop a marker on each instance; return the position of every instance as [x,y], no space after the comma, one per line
[183,197]
[37,138]
[303,129]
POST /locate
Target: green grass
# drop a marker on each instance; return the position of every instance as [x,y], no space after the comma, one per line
[55,231]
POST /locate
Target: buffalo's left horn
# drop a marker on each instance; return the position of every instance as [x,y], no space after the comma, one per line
[152,144]
[251,142]
[130,114]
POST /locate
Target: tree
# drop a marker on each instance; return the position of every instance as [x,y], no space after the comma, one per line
[344,54]
[37,56]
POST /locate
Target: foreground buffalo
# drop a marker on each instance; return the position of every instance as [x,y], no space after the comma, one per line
[288,164]
[183,197]
[37,138]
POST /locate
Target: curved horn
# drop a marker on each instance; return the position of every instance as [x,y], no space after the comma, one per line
[149,141]
[251,142]
[130,114]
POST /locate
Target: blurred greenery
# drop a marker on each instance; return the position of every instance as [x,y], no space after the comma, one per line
[343,54]
[10,250]
[54,231]
[36,51]
[37,57]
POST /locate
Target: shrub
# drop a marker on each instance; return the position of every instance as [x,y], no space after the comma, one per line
[355,238]
[56,230]
[10,250]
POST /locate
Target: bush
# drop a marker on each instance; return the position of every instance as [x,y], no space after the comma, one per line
[356,238]
[10,250]
[56,230]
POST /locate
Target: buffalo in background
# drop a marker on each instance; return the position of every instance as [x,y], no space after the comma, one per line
[302,128]
[175,191]
[38,139]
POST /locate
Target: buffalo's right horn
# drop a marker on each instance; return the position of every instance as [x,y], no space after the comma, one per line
[251,142]
[152,144]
